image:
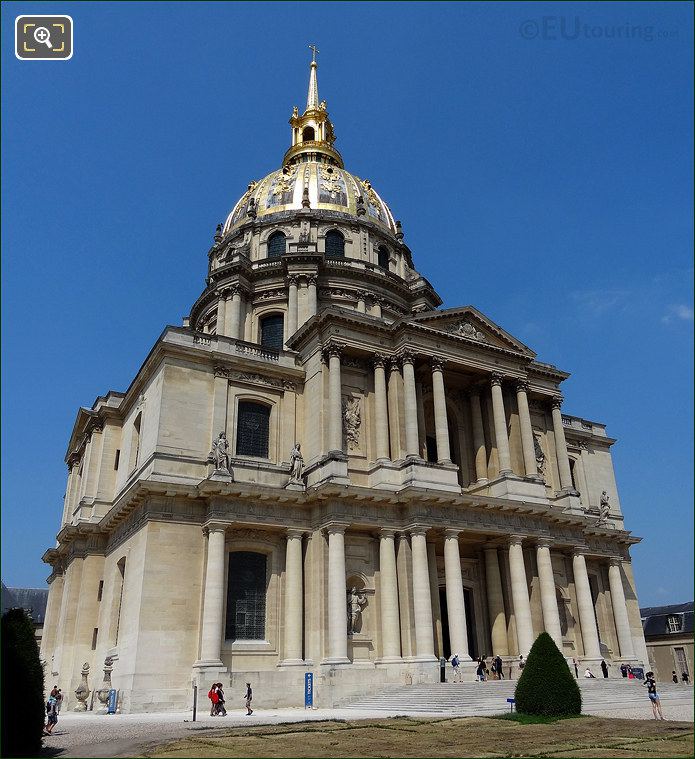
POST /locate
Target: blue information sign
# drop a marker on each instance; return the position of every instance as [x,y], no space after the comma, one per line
[112,701]
[308,690]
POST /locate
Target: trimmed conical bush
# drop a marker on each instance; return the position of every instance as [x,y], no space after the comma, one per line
[23,709]
[546,686]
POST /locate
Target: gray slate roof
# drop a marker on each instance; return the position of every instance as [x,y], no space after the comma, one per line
[655,619]
[31,599]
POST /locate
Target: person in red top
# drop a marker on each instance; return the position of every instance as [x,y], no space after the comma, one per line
[214,698]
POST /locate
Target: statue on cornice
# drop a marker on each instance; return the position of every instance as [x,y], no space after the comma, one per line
[220,452]
[604,509]
[297,465]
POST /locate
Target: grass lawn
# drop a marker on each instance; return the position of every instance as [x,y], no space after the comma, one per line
[467,737]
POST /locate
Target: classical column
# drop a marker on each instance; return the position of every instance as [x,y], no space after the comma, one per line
[393,394]
[292,310]
[362,301]
[441,425]
[622,623]
[411,433]
[551,615]
[478,436]
[294,595]
[422,600]
[388,597]
[495,603]
[335,411]
[235,319]
[456,609]
[213,605]
[522,607]
[563,461]
[527,446]
[500,420]
[221,309]
[337,595]
[585,604]
[311,302]
[381,409]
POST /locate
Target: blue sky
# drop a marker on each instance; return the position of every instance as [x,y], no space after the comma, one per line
[542,174]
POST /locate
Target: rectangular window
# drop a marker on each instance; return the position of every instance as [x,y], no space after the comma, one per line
[253,427]
[101,590]
[246,591]
[674,623]
[681,662]
[95,635]
[117,458]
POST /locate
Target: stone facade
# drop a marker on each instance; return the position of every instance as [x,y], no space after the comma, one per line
[445,504]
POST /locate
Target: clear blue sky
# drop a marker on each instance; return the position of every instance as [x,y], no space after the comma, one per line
[545,180]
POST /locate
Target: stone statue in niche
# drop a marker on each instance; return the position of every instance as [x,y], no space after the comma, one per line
[540,456]
[219,455]
[604,509]
[356,601]
[297,465]
[352,421]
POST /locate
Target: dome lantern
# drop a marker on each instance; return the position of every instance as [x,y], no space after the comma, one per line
[312,132]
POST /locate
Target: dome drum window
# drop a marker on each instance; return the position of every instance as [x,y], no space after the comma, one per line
[277,245]
[335,244]
[271,330]
[383,257]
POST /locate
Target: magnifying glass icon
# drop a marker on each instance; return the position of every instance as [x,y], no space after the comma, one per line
[43,36]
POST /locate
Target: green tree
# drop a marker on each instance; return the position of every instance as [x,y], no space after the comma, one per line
[23,710]
[546,686]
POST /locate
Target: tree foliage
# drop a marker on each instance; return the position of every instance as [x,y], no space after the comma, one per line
[23,710]
[546,686]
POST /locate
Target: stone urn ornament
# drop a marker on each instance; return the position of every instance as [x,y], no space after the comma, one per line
[82,691]
[103,692]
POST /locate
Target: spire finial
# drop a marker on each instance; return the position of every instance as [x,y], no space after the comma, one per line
[312,100]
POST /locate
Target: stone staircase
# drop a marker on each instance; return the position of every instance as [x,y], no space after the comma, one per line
[482,699]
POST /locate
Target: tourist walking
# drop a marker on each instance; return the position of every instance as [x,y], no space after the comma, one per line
[653,695]
[51,714]
[480,671]
[221,711]
[576,668]
[674,676]
[59,699]
[604,668]
[455,663]
[623,669]
[498,668]
[247,697]
[212,695]
[685,678]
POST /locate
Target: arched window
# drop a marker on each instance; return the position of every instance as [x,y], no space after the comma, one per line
[308,134]
[335,243]
[277,244]
[272,329]
[246,589]
[383,256]
[252,430]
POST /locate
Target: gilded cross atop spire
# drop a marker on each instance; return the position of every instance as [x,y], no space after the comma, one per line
[312,100]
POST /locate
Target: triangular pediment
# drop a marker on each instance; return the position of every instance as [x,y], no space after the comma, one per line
[468,323]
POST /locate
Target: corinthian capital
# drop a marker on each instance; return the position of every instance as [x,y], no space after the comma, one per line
[496,378]
[437,363]
[332,348]
[407,356]
[521,386]
[557,401]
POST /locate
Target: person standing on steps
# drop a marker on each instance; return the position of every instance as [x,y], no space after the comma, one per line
[247,697]
[576,668]
[604,668]
[455,663]
[498,668]
[653,695]
[674,677]
[623,669]
[522,664]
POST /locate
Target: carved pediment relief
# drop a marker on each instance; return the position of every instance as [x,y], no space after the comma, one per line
[470,324]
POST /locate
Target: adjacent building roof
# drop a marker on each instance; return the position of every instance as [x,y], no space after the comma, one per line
[32,599]
[655,619]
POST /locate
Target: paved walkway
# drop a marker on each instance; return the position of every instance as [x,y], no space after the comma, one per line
[121,735]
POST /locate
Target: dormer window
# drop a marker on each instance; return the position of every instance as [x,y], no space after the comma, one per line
[675,623]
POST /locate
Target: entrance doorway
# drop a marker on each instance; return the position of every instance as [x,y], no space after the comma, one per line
[470,621]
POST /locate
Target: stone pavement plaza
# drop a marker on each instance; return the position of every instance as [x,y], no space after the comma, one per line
[96,735]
